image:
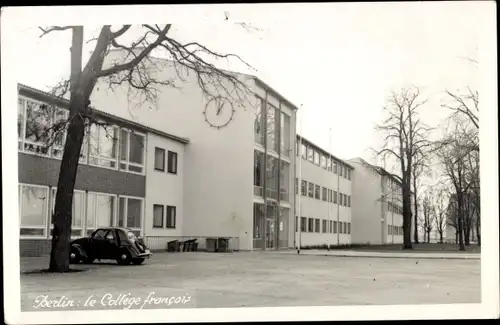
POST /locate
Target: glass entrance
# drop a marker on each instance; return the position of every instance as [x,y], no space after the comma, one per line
[270,233]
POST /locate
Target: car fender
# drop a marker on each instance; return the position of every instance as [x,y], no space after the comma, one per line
[80,249]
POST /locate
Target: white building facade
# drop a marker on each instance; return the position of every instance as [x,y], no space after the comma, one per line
[326,197]
[377,215]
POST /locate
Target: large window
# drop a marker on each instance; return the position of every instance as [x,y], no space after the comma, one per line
[159,159]
[132,149]
[303,187]
[341,197]
[349,201]
[285,134]
[172,162]
[316,157]
[130,213]
[325,195]
[272,127]
[310,154]
[303,224]
[158,214]
[272,178]
[324,226]
[323,161]
[258,173]
[100,211]
[329,164]
[78,213]
[259,121]
[33,210]
[335,167]
[284,181]
[317,225]
[310,224]
[335,227]
[103,145]
[331,226]
[171,216]
[335,197]
[317,192]
[39,125]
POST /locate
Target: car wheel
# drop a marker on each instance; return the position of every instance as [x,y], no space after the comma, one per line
[74,256]
[124,258]
[138,261]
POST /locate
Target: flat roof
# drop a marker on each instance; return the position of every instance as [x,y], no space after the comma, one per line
[326,152]
[63,102]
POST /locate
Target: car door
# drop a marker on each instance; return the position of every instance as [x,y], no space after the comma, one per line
[110,247]
[97,245]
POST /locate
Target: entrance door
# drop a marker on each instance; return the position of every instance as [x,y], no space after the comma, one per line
[271,234]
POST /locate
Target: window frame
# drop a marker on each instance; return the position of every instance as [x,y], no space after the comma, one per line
[45,209]
[53,193]
[324,226]
[162,215]
[303,224]
[127,162]
[317,192]
[176,155]
[161,150]
[324,194]
[310,189]
[96,226]
[317,225]
[171,208]
[98,157]
[125,225]
[303,188]
[310,224]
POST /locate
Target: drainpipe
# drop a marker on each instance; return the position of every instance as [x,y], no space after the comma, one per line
[278,212]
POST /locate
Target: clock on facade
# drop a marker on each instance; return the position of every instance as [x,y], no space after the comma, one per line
[218,112]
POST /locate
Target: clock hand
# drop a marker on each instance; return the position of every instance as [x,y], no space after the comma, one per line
[220,108]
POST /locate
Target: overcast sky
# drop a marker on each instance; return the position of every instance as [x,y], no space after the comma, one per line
[340,61]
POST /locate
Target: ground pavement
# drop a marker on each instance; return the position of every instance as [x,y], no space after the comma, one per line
[255,279]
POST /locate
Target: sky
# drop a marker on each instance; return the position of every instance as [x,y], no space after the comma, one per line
[338,61]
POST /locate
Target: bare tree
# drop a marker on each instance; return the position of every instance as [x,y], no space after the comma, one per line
[428,215]
[137,72]
[453,153]
[440,210]
[419,169]
[465,105]
[405,139]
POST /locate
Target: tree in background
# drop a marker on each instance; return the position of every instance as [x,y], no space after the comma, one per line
[405,140]
[139,74]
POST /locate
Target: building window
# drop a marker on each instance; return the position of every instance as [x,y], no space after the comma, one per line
[310,189]
[330,195]
[303,151]
[132,149]
[349,174]
[296,186]
[341,228]
[317,192]
[303,224]
[310,154]
[296,224]
[100,211]
[258,173]
[316,157]
[259,121]
[325,194]
[341,170]
[345,171]
[310,224]
[172,162]
[159,159]
[341,198]
[130,213]
[349,201]
[78,213]
[323,161]
[171,216]
[40,124]
[335,167]
[103,146]
[272,127]
[331,226]
[316,225]
[304,187]
[335,227]
[329,164]
[158,212]
[285,134]
[33,210]
[335,197]
[324,229]
[348,228]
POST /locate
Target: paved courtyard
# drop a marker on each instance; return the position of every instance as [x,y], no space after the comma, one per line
[255,279]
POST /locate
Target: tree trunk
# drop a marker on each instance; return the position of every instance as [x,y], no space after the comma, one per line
[441,237]
[59,255]
[407,217]
[428,236]
[415,203]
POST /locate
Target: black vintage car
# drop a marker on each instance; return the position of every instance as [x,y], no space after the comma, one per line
[109,243]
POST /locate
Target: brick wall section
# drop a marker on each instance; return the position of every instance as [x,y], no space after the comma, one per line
[44,171]
[34,247]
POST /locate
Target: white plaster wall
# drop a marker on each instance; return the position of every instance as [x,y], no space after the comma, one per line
[367,209]
[165,189]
